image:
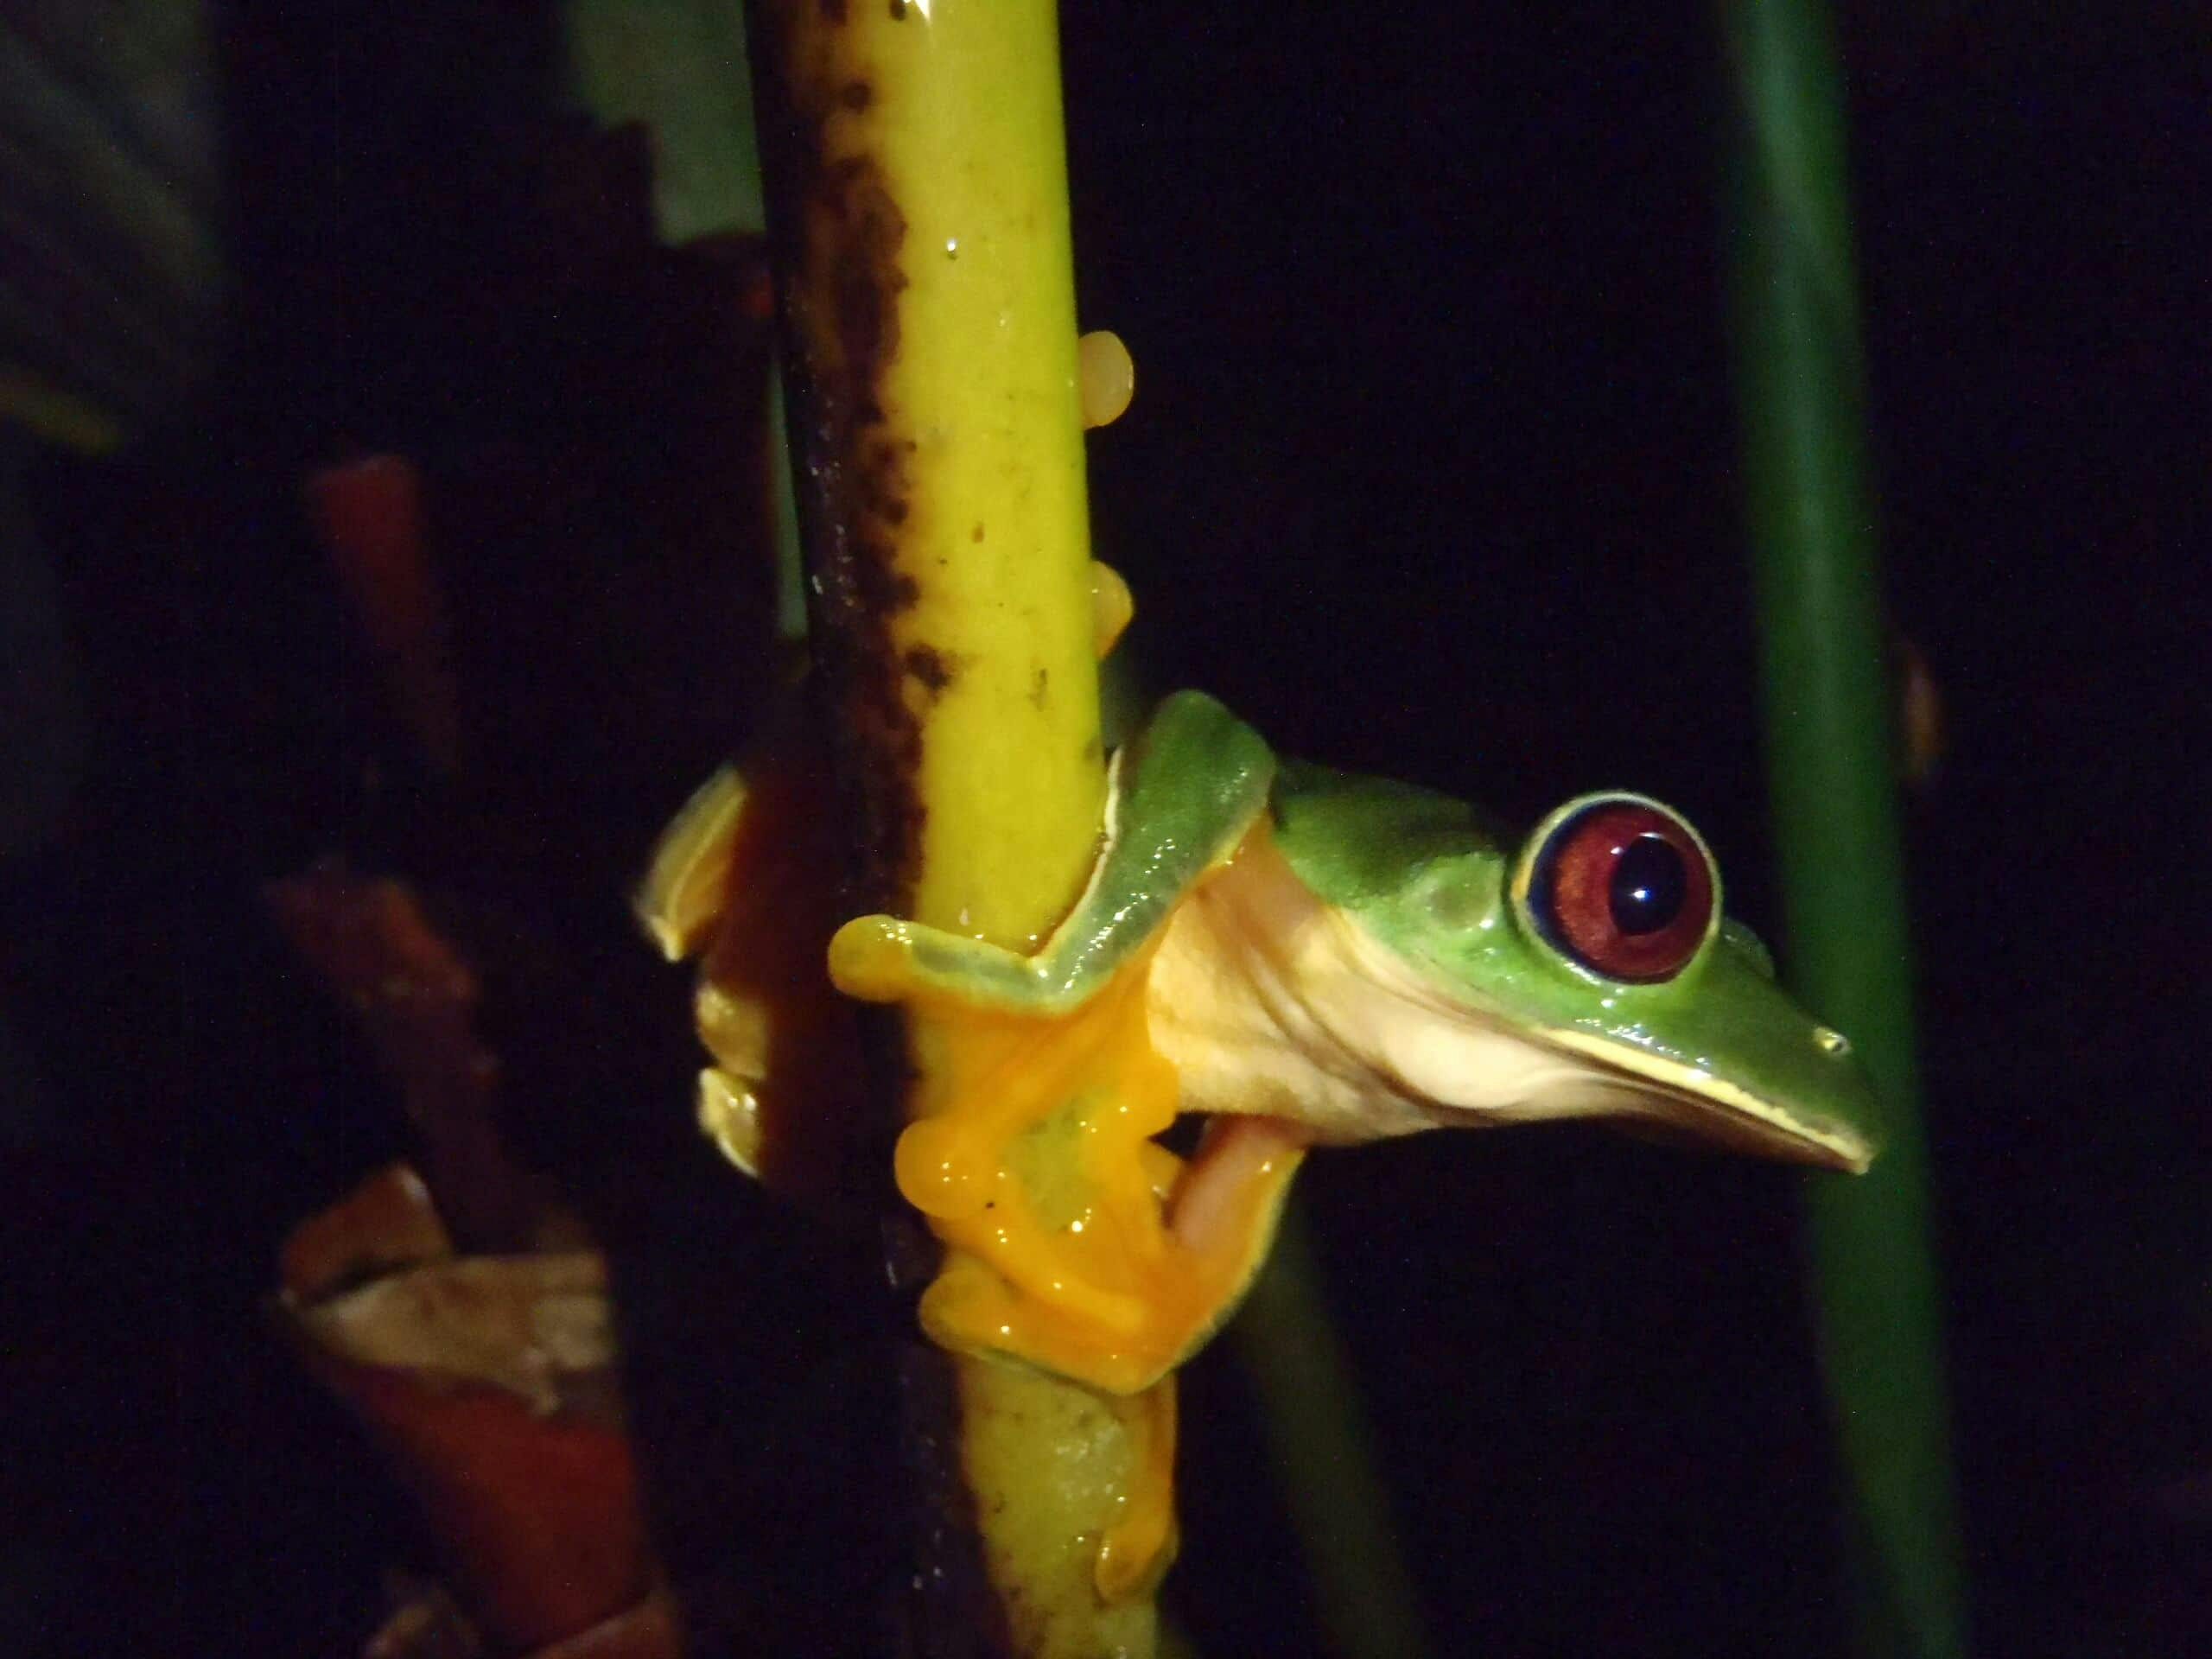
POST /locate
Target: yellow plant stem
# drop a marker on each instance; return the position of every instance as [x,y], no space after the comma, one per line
[918,192]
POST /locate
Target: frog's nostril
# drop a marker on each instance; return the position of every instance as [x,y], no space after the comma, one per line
[1834,1043]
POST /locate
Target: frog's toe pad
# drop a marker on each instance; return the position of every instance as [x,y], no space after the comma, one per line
[681,898]
[729,1113]
[872,958]
[1111,608]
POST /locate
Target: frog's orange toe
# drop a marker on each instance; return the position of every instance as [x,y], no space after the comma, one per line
[871,957]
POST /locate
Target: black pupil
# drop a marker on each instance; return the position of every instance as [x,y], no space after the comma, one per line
[1648,886]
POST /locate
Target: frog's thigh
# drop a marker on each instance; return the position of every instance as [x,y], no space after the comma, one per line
[1226,1204]
[1241,1161]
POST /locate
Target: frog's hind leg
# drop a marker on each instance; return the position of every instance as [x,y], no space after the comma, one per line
[1234,1185]
[1223,1211]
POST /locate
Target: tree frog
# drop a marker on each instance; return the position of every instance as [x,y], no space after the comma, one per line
[1309,959]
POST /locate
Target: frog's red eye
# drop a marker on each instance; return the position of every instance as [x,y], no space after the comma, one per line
[1624,888]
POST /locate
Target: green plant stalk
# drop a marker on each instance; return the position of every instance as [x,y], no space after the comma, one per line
[1828,719]
[679,66]
[1324,1467]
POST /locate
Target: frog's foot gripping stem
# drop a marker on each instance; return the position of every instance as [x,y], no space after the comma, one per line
[1078,1243]
[740,880]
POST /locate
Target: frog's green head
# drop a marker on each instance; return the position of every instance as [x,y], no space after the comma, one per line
[1600,946]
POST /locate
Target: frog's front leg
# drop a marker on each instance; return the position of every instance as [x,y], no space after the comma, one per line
[1078,1243]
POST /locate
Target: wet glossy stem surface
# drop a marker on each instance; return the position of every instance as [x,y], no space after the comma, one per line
[1832,776]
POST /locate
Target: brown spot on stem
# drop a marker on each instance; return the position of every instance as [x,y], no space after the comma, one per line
[932,667]
[856,95]
[1038,686]
[976,534]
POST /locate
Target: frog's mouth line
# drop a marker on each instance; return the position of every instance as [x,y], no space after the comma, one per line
[1710,1108]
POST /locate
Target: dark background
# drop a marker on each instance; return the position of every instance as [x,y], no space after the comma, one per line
[1431,472]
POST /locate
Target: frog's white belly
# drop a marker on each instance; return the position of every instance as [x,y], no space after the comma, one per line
[1269,1002]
